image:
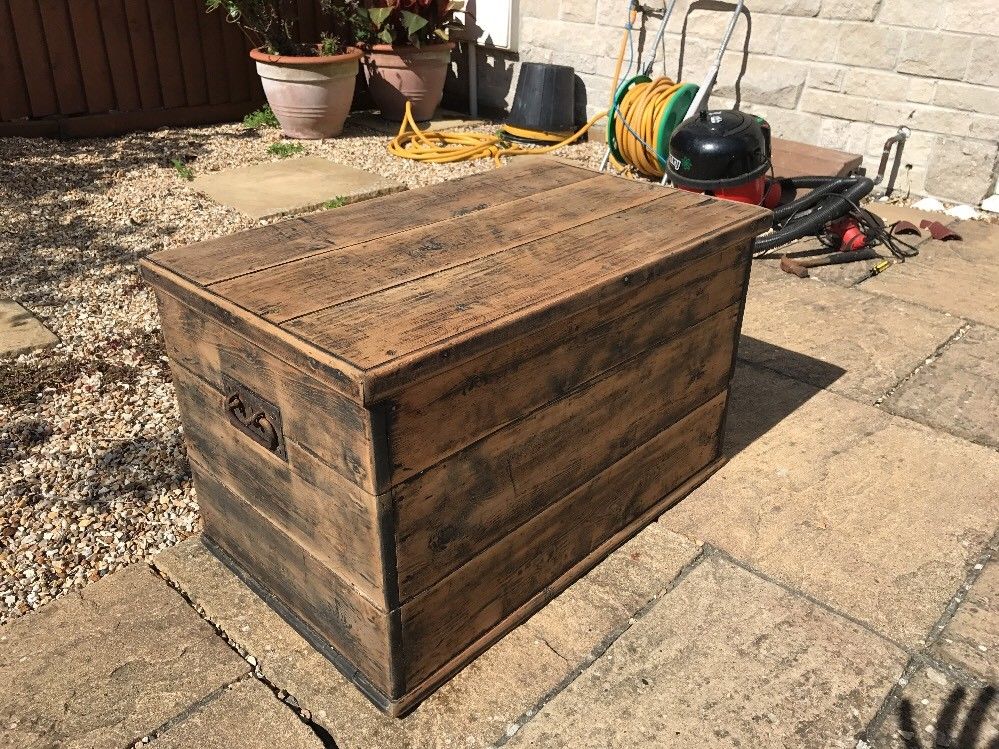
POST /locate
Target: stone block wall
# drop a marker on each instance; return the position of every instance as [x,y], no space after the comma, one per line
[837,73]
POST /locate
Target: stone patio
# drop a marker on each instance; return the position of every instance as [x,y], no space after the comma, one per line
[834,585]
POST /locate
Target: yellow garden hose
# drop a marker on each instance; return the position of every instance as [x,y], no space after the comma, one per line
[643,113]
[643,107]
[443,146]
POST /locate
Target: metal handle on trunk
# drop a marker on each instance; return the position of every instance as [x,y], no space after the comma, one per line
[254,416]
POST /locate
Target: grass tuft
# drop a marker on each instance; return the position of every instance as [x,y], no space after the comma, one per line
[183,170]
[284,149]
[263,117]
[338,202]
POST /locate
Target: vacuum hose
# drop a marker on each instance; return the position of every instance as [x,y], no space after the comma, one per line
[830,198]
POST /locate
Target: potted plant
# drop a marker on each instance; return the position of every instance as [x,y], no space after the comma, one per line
[407,53]
[309,86]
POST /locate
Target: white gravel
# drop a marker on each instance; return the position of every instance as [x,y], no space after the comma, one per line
[93,473]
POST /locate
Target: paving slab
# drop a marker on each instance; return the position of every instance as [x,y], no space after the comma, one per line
[803,328]
[960,278]
[971,639]
[725,659]
[108,666]
[936,711]
[959,390]
[21,331]
[246,716]
[578,622]
[877,516]
[290,186]
[443,119]
[482,703]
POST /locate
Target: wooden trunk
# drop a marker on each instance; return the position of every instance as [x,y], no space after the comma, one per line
[413,421]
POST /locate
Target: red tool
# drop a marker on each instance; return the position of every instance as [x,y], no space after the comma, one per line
[851,235]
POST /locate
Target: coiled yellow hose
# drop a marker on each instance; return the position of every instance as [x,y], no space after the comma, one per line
[443,146]
[637,125]
[642,108]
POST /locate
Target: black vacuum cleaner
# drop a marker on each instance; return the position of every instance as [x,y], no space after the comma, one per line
[726,154]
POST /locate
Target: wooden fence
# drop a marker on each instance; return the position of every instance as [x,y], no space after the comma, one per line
[78,68]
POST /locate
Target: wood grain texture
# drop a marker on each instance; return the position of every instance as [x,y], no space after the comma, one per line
[458,507]
[417,692]
[32,49]
[239,69]
[337,374]
[217,260]
[456,313]
[346,619]
[447,618]
[114,25]
[372,266]
[14,93]
[62,56]
[192,58]
[166,46]
[433,418]
[213,47]
[484,387]
[91,55]
[325,423]
[140,34]
[332,518]
[794,159]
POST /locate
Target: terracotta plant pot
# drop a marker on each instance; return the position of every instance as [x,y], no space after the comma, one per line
[396,74]
[310,96]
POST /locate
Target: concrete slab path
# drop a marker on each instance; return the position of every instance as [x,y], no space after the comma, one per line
[713,664]
[845,340]
[877,516]
[290,186]
[933,709]
[21,331]
[110,666]
[487,701]
[956,391]
[959,278]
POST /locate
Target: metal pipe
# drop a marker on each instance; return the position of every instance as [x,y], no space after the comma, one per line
[700,101]
[898,141]
[473,80]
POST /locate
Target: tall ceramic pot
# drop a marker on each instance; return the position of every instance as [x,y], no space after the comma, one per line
[417,74]
[310,96]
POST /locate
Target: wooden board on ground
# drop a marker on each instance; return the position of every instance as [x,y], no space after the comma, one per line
[793,159]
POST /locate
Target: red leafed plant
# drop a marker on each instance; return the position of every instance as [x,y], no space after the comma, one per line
[414,22]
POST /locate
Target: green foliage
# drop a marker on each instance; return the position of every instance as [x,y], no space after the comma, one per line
[284,149]
[183,170]
[271,24]
[329,46]
[263,117]
[338,202]
[413,22]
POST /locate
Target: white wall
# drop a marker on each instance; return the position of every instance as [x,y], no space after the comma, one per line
[837,73]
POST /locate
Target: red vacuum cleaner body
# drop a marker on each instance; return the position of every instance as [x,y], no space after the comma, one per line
[726,154]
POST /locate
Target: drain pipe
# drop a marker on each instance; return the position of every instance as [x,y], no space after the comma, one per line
[898,141]
[473,80]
